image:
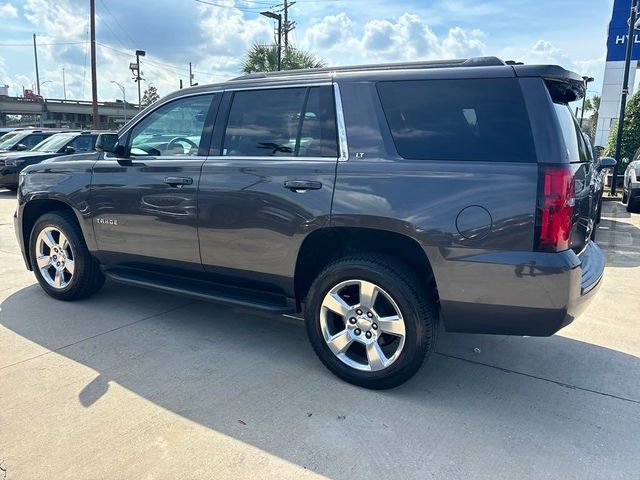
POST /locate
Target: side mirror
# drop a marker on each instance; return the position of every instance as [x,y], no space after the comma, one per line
[606,162]
[69,149]
[106,142]
[21,147]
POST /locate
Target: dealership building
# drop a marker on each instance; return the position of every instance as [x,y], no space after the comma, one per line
[617,39]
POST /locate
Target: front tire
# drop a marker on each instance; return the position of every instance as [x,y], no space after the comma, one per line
[371,320]
[60,259]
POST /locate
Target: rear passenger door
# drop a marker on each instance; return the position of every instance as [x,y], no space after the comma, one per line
[267,184]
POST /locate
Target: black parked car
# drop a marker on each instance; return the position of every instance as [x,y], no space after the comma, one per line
[23,139]
[384,202]
[11,163]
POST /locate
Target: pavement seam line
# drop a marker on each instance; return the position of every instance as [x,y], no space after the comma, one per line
[536,377]
[55,350]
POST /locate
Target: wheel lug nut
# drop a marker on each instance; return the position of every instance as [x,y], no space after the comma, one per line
[374,326]
[368,334]
[352,320]
[369,314]
[359,312]
[58,264]
[357,331]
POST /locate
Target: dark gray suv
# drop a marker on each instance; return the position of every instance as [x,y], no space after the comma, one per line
[384,202]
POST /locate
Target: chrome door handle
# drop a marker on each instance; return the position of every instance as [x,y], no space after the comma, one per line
[178,181]
[302,185]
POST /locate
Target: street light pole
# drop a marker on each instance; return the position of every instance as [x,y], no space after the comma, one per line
[124,99]
[139,53]
[584,99]
[64,85]
[625,91]
[276,16]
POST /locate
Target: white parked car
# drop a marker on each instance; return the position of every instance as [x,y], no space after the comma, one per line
[631,185]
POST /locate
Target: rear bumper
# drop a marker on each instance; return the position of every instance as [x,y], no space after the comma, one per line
[521,293]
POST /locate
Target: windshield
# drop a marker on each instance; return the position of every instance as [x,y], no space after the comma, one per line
[54,143]
[10,139]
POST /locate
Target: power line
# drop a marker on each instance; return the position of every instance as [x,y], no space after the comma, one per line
[153,62]
[235,7]
[39,44]
[133,42]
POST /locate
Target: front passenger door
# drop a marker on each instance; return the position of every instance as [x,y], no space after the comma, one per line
[144,204]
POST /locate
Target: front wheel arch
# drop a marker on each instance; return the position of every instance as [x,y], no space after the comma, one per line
[34,209]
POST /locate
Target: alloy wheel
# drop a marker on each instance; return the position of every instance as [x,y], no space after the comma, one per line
[55,257]
[362,325]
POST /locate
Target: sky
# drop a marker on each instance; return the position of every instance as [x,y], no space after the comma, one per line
[215,36]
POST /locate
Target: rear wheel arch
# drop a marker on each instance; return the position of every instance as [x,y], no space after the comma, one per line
[35,209]
[326,245]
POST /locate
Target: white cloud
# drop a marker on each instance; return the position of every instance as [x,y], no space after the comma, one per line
[331,31]
[7,10]
[407,38]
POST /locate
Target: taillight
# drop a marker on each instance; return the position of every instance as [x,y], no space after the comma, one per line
[555,208]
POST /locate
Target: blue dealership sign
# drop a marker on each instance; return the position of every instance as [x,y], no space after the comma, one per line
[618,30]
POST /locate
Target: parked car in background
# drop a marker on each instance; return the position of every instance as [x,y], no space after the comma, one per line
[631,185]
[382,202]
[67,143]
[601,165]
[21,140]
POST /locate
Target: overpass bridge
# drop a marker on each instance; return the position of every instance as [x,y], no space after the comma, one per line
[55,112]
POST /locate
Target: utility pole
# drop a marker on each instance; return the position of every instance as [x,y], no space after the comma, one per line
[288,26]
[190,76]
[94,76]
[276,16]
[625,91]
[138,77]
[180,84]
[64,85]
[35,56]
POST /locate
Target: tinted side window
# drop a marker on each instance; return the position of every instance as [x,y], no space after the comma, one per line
[174,129]
[318,134]
[283,122]
[32,140]
[573,137]
[84,143]
[479,119]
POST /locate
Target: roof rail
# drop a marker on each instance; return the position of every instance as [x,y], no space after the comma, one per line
[464,62]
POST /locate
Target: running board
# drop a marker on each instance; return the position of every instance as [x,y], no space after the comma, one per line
[201,290]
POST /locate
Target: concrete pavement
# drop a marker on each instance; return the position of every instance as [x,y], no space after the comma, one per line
[133,384]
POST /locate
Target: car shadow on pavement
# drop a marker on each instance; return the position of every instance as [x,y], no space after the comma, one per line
[255,378]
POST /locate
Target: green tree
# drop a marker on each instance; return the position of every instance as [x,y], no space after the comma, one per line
[630,134]
[150,95]
[264,58]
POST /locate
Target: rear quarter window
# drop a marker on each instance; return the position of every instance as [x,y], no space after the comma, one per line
[466,119]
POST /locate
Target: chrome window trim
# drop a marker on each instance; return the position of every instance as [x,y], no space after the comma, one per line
[268,157]
[340,123]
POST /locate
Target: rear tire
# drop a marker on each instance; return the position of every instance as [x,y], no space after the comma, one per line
[625,196]
[392,335]
[632,205]
[60,259]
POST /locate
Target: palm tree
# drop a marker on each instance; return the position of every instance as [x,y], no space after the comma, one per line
[264,58]
[594,104]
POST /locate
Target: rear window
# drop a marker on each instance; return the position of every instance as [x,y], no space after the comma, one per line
[476,119]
